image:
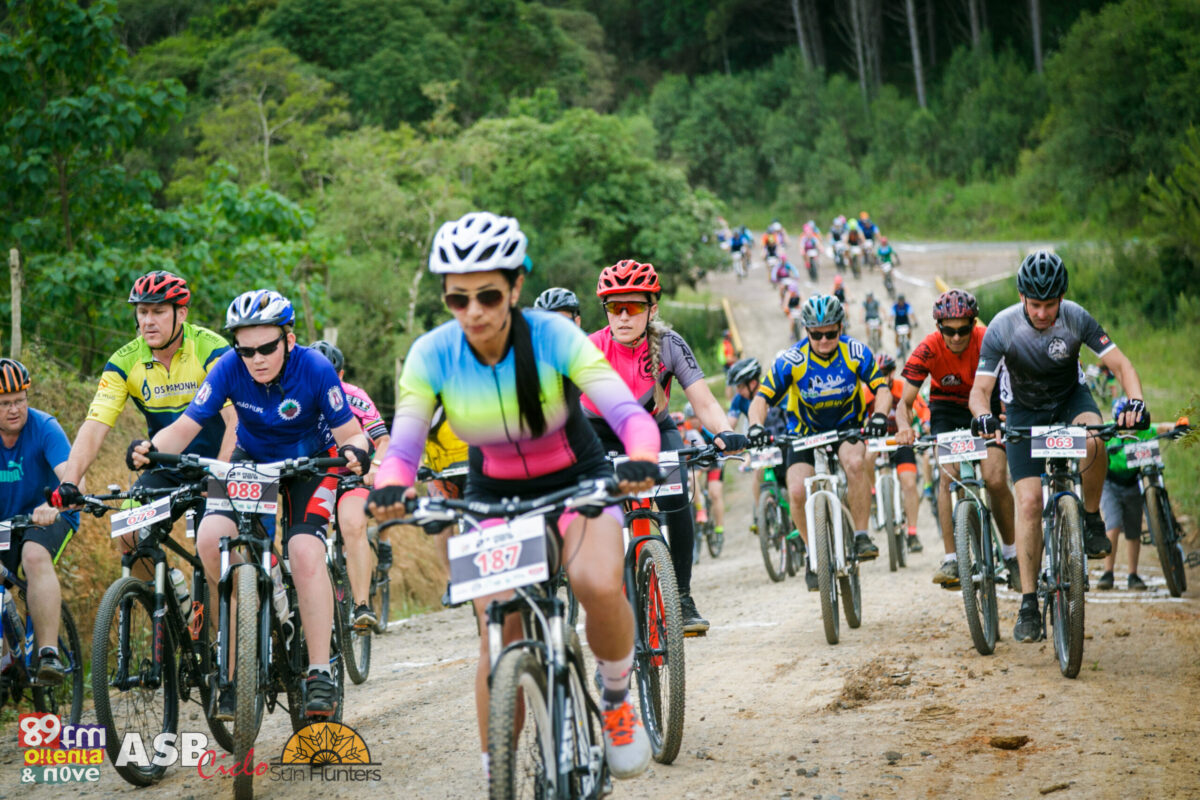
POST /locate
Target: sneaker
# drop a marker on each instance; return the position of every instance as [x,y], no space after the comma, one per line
[864,547]
[226,705]
[1095,540]
[50,671]
[811,581]
[692,621]
[1106,580]
[1136,584]
[1014,573]
[384,552]
[1029,624]
[320,694]
[947,575]
[914,544]
[626,744]
[364,617]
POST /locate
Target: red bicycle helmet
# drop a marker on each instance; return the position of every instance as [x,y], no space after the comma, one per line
[955,304]
[628,276]
[13,376]
[160,287]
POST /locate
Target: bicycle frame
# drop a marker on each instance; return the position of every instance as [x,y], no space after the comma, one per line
[883,468]
[830,487]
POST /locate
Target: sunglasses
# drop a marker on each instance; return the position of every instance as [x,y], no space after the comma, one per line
[946,330]
[630,307]
[262,349]
[458,301]
[817,336]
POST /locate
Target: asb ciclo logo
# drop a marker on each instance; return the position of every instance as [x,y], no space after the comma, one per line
[326,751]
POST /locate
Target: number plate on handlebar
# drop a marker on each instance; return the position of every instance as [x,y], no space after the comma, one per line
[1049,441]
[1143,454]
[810,442]
[245,489]
[957,446]
[765,457]
[498,558]
[134,519]
[5,535]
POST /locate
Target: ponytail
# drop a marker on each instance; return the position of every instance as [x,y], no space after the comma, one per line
[655,330]
[529,385]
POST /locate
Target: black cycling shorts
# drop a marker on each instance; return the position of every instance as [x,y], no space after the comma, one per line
[1020,463]
[54,537]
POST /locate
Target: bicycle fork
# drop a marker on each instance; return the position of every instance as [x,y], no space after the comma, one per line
[880,499]
[835,505]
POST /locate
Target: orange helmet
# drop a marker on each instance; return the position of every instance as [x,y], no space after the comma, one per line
[837,281]
[628,276]
[13,376]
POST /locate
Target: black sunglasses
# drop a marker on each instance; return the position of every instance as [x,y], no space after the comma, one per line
[488,298]
[817,336]
[262,349]
[946,330]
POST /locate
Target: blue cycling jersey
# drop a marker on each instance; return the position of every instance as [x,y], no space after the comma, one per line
[281,419]
[27,467]
[901,313]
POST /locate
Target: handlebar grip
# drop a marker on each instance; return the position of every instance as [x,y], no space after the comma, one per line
[156,457]
[326,463]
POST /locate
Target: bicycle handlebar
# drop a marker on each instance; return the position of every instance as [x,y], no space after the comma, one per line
[287,468]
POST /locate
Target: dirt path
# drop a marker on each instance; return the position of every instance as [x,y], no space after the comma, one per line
[903,707]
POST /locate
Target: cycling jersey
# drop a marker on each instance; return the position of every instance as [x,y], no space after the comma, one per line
[871,307]
[281,419]
[27,467]
[633,365]
[853,237]
[920,411]
[443,447]
[775,424]
[901,313]
[885,253]
[161,394]
[869,229]
[481,403]
[364,410]
[809,243]
[1043,366]
[822,393]
[951,375]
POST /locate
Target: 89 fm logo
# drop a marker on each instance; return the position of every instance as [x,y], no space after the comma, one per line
[57,753]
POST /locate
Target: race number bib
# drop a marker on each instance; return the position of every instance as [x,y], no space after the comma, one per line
[810,442]
[957,446]
[1143,454]
[1050,441]
[765,457]
[668,464]
[134,519]
[497,559]
[244,489]
[903,330]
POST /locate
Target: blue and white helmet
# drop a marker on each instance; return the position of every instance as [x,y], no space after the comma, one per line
[259,307]
[822,309]
[478,242]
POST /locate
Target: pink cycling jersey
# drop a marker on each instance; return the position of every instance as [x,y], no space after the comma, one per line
[633,365]
[365,412]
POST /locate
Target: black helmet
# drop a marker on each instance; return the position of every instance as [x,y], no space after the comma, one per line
[330,352]
[744,371]
[556,299]
[1042,276]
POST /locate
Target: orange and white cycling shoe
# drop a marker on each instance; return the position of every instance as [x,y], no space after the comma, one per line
[626,743]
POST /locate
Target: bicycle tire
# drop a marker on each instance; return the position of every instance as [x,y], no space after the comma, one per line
[118,604]
[771,537]
[659,667]
[971,574]
[1068,596]
[884,496]
[356,644]
[1166,540]
[715,541]
[381,584]
[518,684]
[851,586]
[69,693]
[247,717]
[586,726]
[794,559]
[822,539]
[202,646]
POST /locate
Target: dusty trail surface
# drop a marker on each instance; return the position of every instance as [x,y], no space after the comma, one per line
[903,707]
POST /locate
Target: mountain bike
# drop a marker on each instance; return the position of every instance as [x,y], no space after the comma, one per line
[1162,527]
[544,728]
[357,641]
[874,334]
[889,283]
[1063,579]
[810,262]
[18,649]
[772,518]
[889,510]
[856,260]
[272,651]
[149,650]
[903,342]
[380,593]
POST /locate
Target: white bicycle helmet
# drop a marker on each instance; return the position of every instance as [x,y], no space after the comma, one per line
[478,242]
[259,307]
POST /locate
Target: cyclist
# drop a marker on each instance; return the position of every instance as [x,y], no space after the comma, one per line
[867,227]
[746,377]
[281,394]
[561,300]
[871,309]
[713,477]
[352,521]
[740,241]
[727,354]
[443,450]
[1038,342]
[34,451]
[839,289]
[902,315]
[887,254]
[509,381]
[160,371]
[773,241]
[820,380]
[648,355]
[905,458]
[949,357]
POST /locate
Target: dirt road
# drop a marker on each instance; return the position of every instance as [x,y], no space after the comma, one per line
[903,707]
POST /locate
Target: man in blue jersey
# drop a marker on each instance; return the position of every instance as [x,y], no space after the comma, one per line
[33,457]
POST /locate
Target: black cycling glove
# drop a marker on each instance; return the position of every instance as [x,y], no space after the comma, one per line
[384,496]
[360,456]
[638,471]
[984,425]
[67,495]
[877,425]
[1138,407]
[129,453]
[757,435]
[730,442]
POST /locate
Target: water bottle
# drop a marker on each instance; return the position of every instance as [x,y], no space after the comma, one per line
[280,598]
[182,593]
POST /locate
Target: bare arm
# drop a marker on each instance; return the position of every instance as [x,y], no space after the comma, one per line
[757,414]
[711,415]
[883,400]
[1120,365]
[229,440]
[980,401]
[904,430]
[83,451]
[176,436]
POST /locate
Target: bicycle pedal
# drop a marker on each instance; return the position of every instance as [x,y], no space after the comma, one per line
[1193,559]
[691,634]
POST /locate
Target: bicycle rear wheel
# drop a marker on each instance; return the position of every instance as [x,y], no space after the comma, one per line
[1068,571]
[884,498]
[771,535]
[248,715]
[521,746]
[381,597]
[975,577]
[356,644]
[714,540]
[851,587]
[122,655]
[1166,540]
[659,657]
[822,539]
[588,777]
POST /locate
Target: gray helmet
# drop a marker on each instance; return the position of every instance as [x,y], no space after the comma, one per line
[688,411]
[822,309]
[330,352]
[557,299]
[1042,276]
[744,371]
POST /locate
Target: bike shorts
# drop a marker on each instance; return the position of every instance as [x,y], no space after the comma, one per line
[1020,463]
[53,537]
[717,474]
[904,459]
[1121,507]
[946,417]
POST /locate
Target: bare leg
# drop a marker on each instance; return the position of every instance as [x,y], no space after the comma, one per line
[44,597]
[1029,531]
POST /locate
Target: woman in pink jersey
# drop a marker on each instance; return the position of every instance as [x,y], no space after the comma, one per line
[648,354]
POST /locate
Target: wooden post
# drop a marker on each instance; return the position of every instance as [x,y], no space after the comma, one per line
[331,335]
[14,273]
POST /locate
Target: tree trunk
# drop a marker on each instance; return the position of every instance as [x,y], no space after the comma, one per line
[856,28]
[16,281]
[914,43]
[814,31]
[64,201]
[931,32]
[973,14]
[1035,18]
[799,23]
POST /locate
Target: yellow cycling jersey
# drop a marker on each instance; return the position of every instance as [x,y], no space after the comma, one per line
[442,446]
[161,394]
[822,393]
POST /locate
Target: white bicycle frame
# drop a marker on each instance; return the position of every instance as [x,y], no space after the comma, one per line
[829,491]
[883,466]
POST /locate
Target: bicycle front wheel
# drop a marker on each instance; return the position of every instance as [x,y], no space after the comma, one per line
[658,657]
[822,539]
[249,712]
[1067,568]
[974,577]
[851,587]
[1166,540]
[771,535]
[126,698]
[884,498]
[521,748]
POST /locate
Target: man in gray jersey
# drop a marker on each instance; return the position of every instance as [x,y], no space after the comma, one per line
[1037,341]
